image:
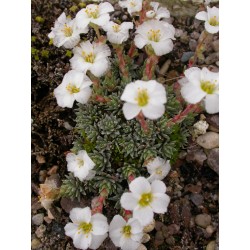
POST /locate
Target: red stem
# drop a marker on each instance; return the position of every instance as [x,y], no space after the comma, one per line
[122,63]
[131,50]
[140,117]
[98,202]
[151,62]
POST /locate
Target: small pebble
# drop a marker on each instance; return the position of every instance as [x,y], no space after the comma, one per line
[192,45]
[211,245]
[209,229]
[36,243]
[40,231]
[197,199]
[124,17]
[145,238]
[141,247]
[215,45]
[184,38]
[38,219]
[178,33]
[186,56]
[203,220]
[40,159]
[42,176]
[213,159]
[195,35]
[209,140]
[212,58]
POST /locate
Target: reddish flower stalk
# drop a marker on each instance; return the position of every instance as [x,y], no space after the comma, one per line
[131,50]
[140,117]
[191,108]
[150,66]
[100,98]
[145,8]
[131,177]
[122,63]
[98,202]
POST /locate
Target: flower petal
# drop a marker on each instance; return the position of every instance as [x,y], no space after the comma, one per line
[191,93]
[99,68]
[160,203]
[83,96]
[128,201]
[115,229]
[130,110]
[202,16]
[128,244]
[193,74]
[136,226]
[144,214]
[153,111]
[97,240]
[82,241]
[78,215]
[100,224]
[139,186]
[105,8]
[163,47]
[102,20]
[140,42]
[212,103]
[71,229]
[158,186]
[211,29]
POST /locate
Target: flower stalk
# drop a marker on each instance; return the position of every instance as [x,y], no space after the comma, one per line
[98,202]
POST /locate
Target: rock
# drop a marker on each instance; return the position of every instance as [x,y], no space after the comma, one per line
[35,243]
[141,247]
[38,219]
[213,120]
[215,45]
[178,33]
[150,227]
[124,17]
[42,176]
[53,170]
[40,159]
[186,56]
[145,238]
[203,220]
[209,140]
[159,236]
[195,189]
[67,126]
[67,204]
[200,128]
[165,67]
[170,241]
[195,35]
[182,155]
[170,230]
[40,231]
[47,220]
[210,229]
[158,225]
[211,245]
[212,58]
[192,44]
[197,199]
[196,154]
[184,38]
[213,159]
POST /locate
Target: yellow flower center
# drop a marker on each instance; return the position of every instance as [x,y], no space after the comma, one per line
[116,28]
[158,171]
[92,12]
[68,31]
[145,199]
[208,87]
[85,227]
[80,162]
[142,97]
[154,35]
[72,89]
[90,58]
[214,21]
[126,231]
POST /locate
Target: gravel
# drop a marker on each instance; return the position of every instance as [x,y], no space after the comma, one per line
[209,140]
[203,220]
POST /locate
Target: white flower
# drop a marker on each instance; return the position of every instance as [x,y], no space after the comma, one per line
[75,86]
[65,33]
[156,33]
[211,18]
[157,12]
[81,165]
[86,231]
[91,57]
[126,235]
[116,33]
[158,169]
[201,84]
[131,5]
[145,199]
[93,13]
[146,96]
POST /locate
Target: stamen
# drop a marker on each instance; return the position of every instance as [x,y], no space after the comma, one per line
[154,35]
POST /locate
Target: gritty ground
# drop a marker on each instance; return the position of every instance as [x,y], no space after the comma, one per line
[192,218]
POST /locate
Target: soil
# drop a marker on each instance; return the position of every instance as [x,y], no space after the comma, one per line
[193,187]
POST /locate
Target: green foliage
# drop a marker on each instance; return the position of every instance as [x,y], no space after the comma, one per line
[119,147]
[72,187]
